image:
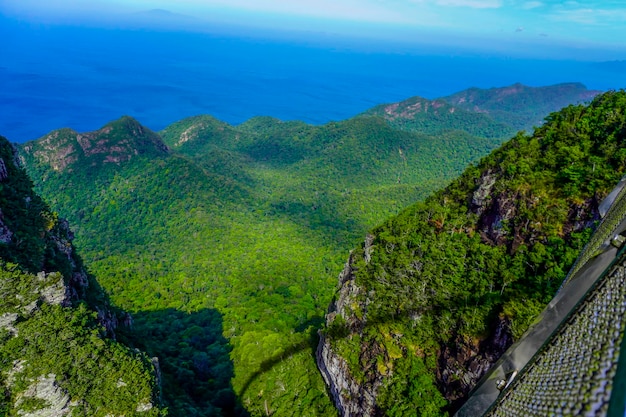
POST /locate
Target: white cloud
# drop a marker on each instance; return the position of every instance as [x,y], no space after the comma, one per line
[529,5]
[475,4]
[589,16]
[353,10]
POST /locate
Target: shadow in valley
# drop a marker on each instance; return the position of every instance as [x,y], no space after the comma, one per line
[194,362]
[311,326]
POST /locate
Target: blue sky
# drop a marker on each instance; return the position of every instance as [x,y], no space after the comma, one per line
[526,25]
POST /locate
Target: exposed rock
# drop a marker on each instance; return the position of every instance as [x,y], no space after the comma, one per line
[63,238]
[18,367]
[482,193]
[17,160]
[116,142]
[127,320]
[57,149]
[157,371]
[45,388]
[7,321]
[144,406]
[57,292]
[5,233]
[30,308]
[80,279]
[463,362]
[350,397]
[493,222]
[190,133]
[4,173]
[407,109]
[108,319]
[369,239]
[578,217]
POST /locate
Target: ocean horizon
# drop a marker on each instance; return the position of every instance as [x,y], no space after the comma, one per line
[54,76]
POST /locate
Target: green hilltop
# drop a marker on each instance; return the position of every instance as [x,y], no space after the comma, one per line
[519,106]
[224,241]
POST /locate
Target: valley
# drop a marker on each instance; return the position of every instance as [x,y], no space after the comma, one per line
[224,241]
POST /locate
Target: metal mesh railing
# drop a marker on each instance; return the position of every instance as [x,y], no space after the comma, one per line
[568,362]
[573,374]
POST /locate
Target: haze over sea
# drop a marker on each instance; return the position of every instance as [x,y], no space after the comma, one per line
[55,75]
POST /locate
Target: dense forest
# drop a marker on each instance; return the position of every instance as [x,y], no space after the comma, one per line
[224,242]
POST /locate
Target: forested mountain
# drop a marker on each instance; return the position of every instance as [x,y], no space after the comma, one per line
[245,225]
[436,294]
[57,329]
[519,106]
[224,242]
[438,117]
[493,113]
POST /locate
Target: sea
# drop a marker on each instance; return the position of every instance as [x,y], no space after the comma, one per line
[54,76]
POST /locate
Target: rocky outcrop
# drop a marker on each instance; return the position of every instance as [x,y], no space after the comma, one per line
[45,388]
[51,287]
[7,322]
[55,293]
[464,361]
[4,174]
[5,233]
[351,397]
[461,363]
[51,343]
[482,193]
[409,108]
[115,143]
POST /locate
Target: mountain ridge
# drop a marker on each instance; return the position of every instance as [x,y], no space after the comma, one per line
[485,112]
[530,106]
[437,293]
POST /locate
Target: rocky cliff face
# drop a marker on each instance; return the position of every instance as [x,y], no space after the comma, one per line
[411,107]
[460,363]
[115,143]
[351,398]
[461,360]
[56,325]
[437,294]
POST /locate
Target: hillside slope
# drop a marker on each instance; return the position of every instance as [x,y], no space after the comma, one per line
[438,116]
[495,113]
[437,293]
[57,328]
[519,106]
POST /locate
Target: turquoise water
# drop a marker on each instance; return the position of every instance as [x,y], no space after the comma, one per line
[80,77]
